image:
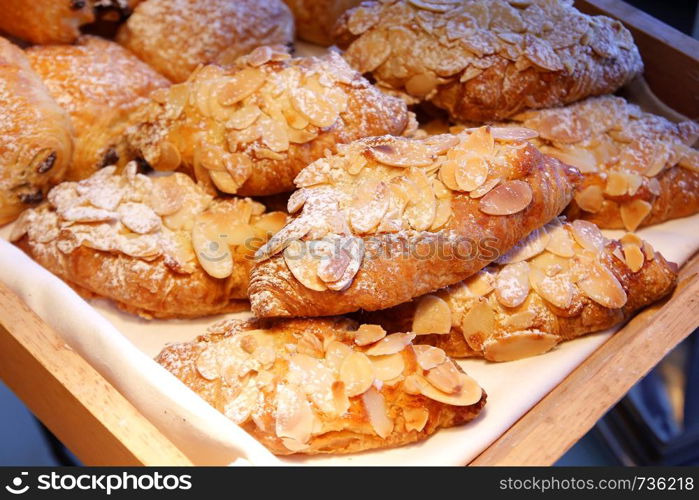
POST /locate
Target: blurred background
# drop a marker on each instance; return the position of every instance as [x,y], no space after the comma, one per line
[657,423]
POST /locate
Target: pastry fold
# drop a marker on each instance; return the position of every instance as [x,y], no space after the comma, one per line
[324,385]
[176,36]
[484,60]
[315,19]
[639,168]
[388,219]
[158,247]
[100,84]
[251,128]
[563,281]
[36,137]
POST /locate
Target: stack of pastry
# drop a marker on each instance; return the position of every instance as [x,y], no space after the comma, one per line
[400,247]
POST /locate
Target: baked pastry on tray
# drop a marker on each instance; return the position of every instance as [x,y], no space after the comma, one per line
[100,84]
[315,19]
[325,385]
[45,21]
[36,137]
[562,281]
[488,59]
[390,218]
[639,169]
[158,247]
[251,128]
[175,36]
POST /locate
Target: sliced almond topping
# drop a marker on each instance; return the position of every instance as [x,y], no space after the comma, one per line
[244,117]
[368,334]
[211,247]
[139,218]
[369,205]
[240,85]
[631,239]
[551,264]
[375,406]
[433,5]
[429,357]
[603,287]
[313,107]
[634,257]
[507,198]
[271,222]
[635,181]
[690,160]
[445,377]
[340,399]
[529,247]
[223,181]
[587,235]
[355,163]
[293,416]
[561,243]
[388,367]
[422,209]
[617,184]
[478,324]
[471,173]
[648,251]
[432,315]
[442,214]
[470,392]
[512,284]
[239,409]
[485,188]
[521,320]
[357,373]
[633,213]
[513,134]
[558,289]
[335,354]
[403,153]
[590,199]
[296,201]
[167,196]
[169,158]
[481,283]
[207,364]
[303,266]
[518,345]
[415,418]
[581,159]
[447,174]
[391,344]
[331,268]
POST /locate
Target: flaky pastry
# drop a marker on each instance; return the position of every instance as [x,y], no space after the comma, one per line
[562,281]
[488,59]
[389,218]
[100,84]
[250,129]
[158,247]
[639,169]
[45,21]
[36,137]
[315,19]
[325,385]
[175,36]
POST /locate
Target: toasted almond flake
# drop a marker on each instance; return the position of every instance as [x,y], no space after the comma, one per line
[390,344]
[478,142]
[167,196]
[403,153]
[470,392]
[293,416]
[481,283]
[369,205]
[239,409]
[478,324]
[353,248]
[375,406]
[240,85]
[303,266]
[471,173]
[415,418]
[513,134]
[169,158]
[442,214]
[296,201]
[313,107]
[211,247]
[388,367]
[357,373]
[432,315]
[529,247]
[512,284]
[88,214]
[445,377]
[422,209]
[634,257]
[648,251]
[590,199]
[429,357]
[633,213]
[413,383]
[631,239]
[581,159]
[271,222]
[355,163]
[634,181]
[139,218]
[244,117]
[340,400]
[690,160]
[603,287]
[518,345]
[447,174]
[587,235]
[507,198]
[223,181]
[433,5]
[207,365]
[422,84]
[368,334]
[550,263]
[617,184]
[335,354]
[521,320]
[485,188]
[561,243]
[558,289]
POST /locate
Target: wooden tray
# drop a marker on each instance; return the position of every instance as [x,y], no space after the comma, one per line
[102,428]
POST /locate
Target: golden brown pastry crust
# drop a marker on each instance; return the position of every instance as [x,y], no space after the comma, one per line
[488,59]
[158,247]
[100,84]
[315,19]
[640,169]
[477,317]
[175,36]
[45,21]
[304,386]
[36,138]
[249,130]
[397,232]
